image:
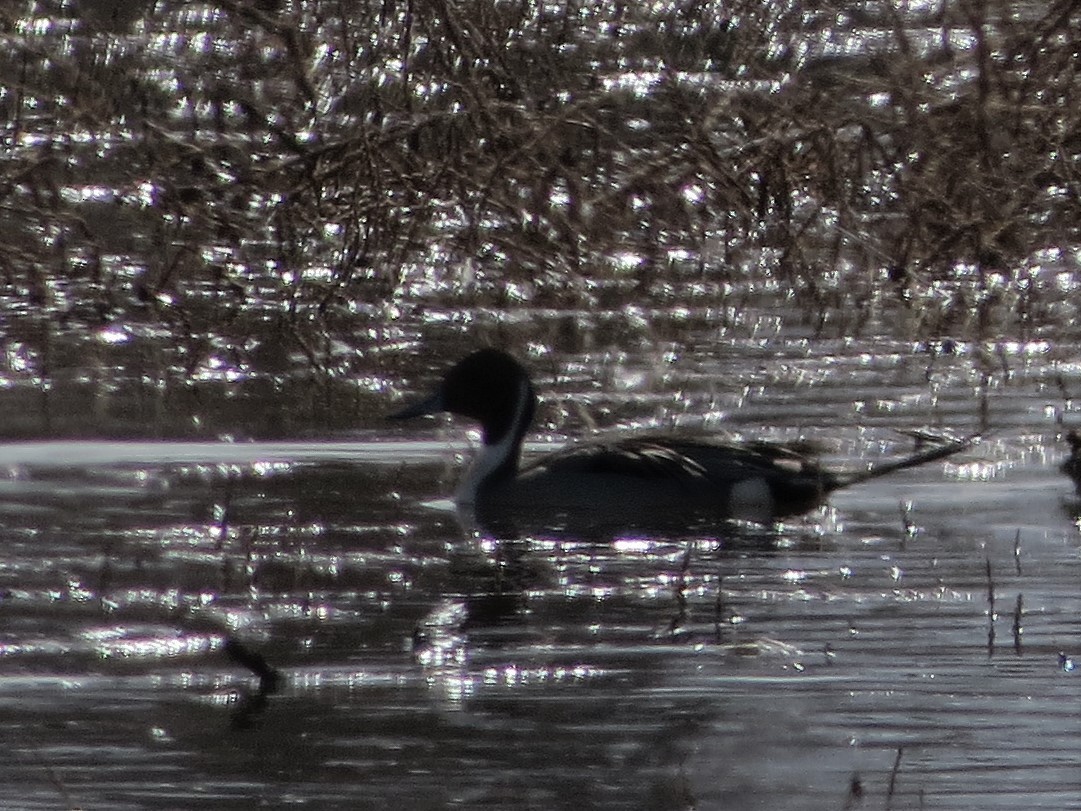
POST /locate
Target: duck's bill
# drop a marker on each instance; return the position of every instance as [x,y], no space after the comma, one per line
[433,405]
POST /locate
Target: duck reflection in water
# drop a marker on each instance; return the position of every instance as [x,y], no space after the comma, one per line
[645,484]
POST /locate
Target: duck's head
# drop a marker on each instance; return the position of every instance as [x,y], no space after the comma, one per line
[488,386]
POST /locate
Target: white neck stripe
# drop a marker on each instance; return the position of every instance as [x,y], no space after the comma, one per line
[492,457]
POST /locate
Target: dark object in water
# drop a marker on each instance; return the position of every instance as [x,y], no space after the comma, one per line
[1072,466]
[251,705]
[646,483]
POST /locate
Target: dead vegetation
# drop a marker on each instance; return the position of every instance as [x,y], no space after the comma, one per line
[272,181]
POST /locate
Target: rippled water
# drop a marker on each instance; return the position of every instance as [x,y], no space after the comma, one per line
[910,646]
[423,666]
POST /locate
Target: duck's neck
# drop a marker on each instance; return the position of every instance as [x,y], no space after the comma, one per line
[501,451]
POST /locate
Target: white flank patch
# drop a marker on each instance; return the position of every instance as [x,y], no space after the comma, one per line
[751,500]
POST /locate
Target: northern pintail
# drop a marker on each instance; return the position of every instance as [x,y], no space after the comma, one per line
[635,483]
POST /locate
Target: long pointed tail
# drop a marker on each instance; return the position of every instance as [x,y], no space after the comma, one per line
[944,450]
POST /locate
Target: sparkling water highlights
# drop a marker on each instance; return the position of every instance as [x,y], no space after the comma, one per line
[237,236]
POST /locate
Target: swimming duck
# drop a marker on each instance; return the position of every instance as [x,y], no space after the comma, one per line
[636,483]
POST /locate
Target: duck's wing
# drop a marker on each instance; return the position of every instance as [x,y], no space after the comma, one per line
[637,458]
[690,462]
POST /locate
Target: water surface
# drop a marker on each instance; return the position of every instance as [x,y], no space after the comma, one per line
[236,238]
[426,666]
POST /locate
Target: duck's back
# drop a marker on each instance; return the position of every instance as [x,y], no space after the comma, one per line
[651,482]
